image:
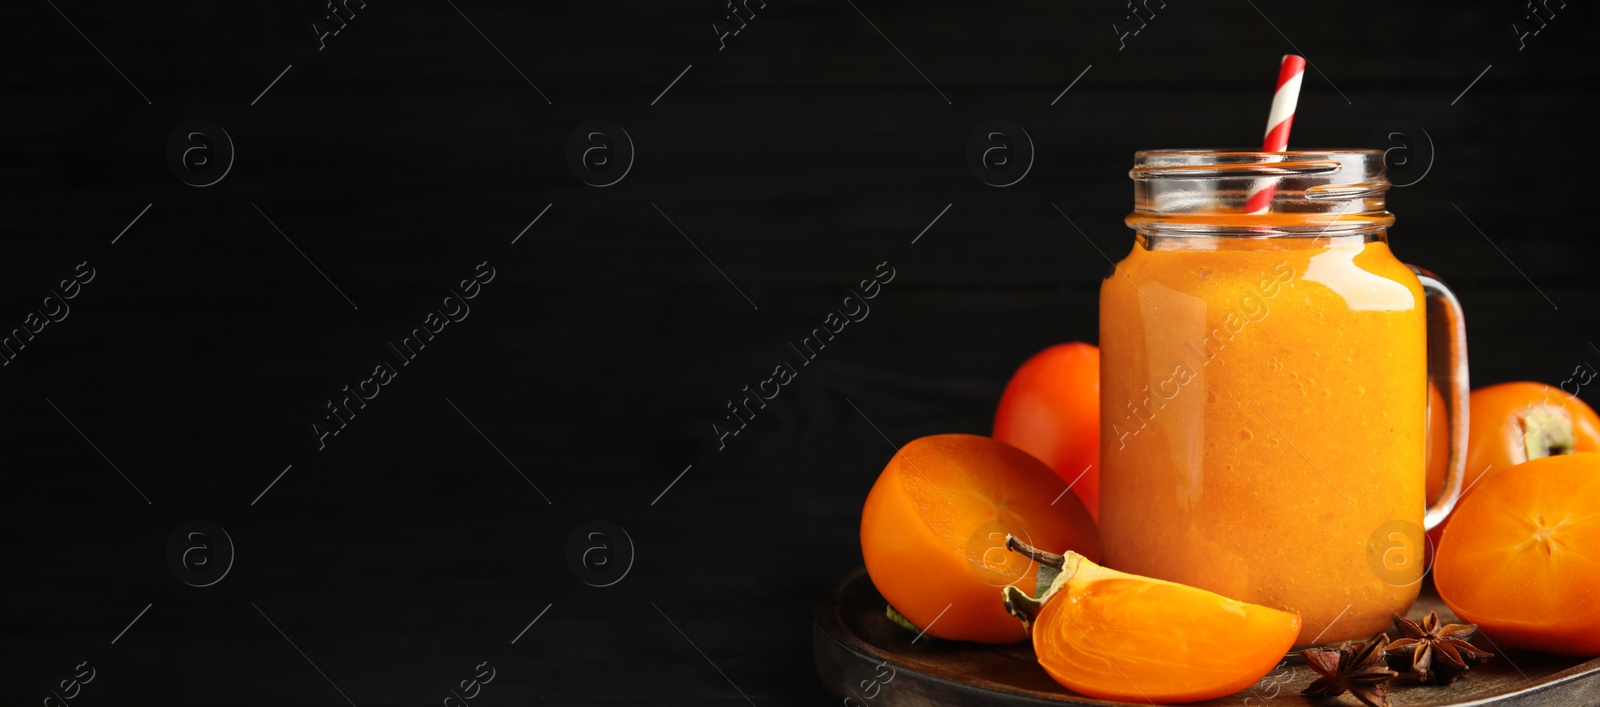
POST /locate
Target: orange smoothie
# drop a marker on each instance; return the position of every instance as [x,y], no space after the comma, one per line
[1263,410]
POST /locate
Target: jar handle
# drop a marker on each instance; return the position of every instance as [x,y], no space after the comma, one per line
[1447,326]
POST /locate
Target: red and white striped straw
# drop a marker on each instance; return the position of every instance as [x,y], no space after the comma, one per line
[1290,73]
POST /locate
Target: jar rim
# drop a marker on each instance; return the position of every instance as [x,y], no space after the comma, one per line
[1235,151]
[1204,191]
[1206,163]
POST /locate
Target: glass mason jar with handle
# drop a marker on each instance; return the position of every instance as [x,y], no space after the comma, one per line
[1264,388]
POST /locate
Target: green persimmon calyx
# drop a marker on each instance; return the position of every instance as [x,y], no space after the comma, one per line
[899,619]
[1054,573]
[1546,432]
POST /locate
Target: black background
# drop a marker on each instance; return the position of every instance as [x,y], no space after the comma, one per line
[797,159]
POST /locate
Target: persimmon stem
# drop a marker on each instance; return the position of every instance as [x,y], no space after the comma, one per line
[1042,557]
[1053,576]
[1547,431]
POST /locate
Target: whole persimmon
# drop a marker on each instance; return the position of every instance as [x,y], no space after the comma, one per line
[1511,423]
[1051,409]
[934,526]
[1516,422]
[1121,636]
[1520,556]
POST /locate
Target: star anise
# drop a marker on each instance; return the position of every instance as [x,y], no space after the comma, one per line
[1437,654]
[1354,667]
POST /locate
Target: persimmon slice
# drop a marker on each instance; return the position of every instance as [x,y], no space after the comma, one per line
[1120,636]
[934,528]
[1521,556]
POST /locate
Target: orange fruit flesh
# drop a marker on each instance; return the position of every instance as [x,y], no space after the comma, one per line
[934,526]
[1113,635]
[957,486]
[1521,556]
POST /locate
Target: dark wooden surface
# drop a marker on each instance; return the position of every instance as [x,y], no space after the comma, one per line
[866,660]
[796,159]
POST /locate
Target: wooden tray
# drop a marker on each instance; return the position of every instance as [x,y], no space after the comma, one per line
[869,662]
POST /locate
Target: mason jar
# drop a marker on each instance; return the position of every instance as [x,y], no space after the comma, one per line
[1264,388]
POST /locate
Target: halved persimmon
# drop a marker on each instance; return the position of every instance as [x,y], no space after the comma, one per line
[1120,636]
[1521,556]
[934,527]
